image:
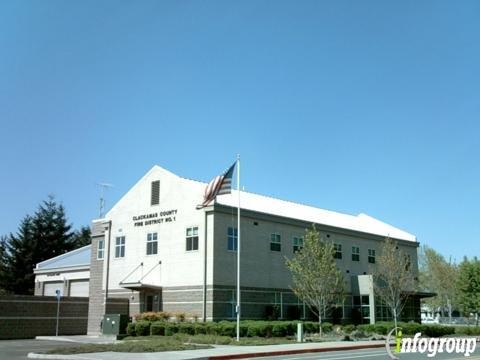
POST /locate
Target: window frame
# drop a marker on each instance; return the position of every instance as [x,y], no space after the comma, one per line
[371,256]
[120,247]
[356,254]
[101,249]
[191,238]
[153,242]
[337,251]
[275,240]
[297,242]
[233,237]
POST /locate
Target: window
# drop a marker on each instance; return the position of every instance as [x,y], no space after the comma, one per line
[120,247]
[152,243]
[275,242]
[297,243]
[355,253]
[155,193]
[232,236]
[100,249]
[192,238]
[371,256]
[337,248]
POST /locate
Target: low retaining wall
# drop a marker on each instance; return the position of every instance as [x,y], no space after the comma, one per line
[24,317]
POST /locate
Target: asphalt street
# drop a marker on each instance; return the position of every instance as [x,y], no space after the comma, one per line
[376,354]
[18,349]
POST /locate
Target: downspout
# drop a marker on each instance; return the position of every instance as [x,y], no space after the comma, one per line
[108,264]
[204,315]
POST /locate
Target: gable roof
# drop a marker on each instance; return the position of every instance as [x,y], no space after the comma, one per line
[268,205]
[76,258]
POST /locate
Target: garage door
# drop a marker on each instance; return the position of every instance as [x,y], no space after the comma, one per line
[79,288]
[50,287]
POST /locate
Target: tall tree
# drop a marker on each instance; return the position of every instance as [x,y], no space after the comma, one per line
[20,260]
[45,235]
[316,279]
[469,286]
[393,278]
[3,263]
[439,276]
[82,237]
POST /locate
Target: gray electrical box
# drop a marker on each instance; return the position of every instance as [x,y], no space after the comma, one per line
[114,324]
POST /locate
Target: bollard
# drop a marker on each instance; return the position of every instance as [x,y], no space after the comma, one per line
[300,332]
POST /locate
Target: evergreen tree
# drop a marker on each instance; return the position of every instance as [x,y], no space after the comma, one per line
[45,235]
[51,230]
[18,276]
[3,259]
[82,237]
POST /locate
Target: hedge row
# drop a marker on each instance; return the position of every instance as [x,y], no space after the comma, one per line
[284,328]
[383,328]
[224,328]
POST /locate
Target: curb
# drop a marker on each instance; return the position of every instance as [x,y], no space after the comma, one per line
[292,352]
[231,356]
[32,355]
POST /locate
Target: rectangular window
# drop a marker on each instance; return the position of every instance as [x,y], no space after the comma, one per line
[297,243]
[337,248]
[155,194]
[120,247]
[371,256]
[152,243]
[100,249]
[232,236]
[275,242]
[355,253]
[192,238]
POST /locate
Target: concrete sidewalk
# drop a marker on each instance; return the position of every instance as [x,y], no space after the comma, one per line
[224,351]
[81,339]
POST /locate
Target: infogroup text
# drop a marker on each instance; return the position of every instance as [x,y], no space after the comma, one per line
[432,345]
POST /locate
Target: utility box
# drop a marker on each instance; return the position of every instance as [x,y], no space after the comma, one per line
[114,324]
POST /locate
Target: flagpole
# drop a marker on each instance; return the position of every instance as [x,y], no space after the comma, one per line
[238,249]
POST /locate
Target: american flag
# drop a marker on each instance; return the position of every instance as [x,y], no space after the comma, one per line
[221,184]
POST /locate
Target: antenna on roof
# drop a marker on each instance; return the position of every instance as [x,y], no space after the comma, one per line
[103,187]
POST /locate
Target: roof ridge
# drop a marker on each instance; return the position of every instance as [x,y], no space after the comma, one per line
[297,203]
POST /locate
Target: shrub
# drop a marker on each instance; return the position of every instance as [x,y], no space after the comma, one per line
[211,328]
[142,328]
[171,329]
[180,316]
[310,327]
[186,328]
[158,328]
[200,328]
[467,330]
[280,329]
[260,329]
[438,330]
[227,328]
[327,327]
[347,329]
[153,316]
[131,329]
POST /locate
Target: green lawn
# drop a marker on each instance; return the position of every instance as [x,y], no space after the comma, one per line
[168,343]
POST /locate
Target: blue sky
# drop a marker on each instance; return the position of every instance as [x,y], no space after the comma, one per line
[354,106]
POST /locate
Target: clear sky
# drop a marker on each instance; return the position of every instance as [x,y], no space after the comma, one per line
[353,106]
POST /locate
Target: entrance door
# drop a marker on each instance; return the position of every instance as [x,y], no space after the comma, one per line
[149,303]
